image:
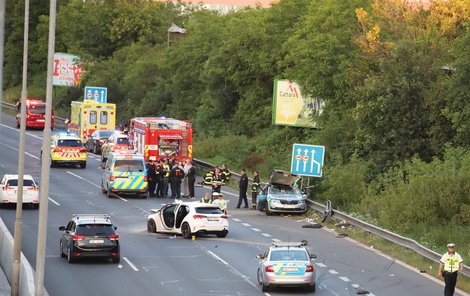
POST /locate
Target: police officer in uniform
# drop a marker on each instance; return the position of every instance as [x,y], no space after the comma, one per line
[450,264]
[243,187]
[225,173]
[152,177]
[176,177]
[254,189]
[191,176]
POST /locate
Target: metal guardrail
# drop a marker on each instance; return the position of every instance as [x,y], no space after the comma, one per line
[383,233]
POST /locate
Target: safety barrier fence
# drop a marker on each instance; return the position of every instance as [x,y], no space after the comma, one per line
[383,233]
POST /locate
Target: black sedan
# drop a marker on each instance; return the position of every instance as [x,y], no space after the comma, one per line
[94,143]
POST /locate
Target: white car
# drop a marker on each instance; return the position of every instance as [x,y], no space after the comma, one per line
[188,219]
[9,189]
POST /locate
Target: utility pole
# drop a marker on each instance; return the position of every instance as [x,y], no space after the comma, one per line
[15,278]
[46,158]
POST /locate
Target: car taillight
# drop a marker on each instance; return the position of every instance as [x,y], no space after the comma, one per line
[82,150]
[199,216]
[76,237]
[224,216]
[146,179]
[35,188]
[7,188]
[114,237]
[269,268]
[111,178]
[309,268]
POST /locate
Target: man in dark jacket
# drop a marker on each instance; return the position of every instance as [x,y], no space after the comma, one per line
[191,179]
[243,188]
[217,180]
[176,177]
[254,189]
[152,177]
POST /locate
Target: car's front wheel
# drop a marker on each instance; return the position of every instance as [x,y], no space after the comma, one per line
[151,226]
[268,212]
[186,231]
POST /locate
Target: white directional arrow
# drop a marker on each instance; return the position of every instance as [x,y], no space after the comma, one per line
[305,159]
[102,96]
[313,158]
[297,163]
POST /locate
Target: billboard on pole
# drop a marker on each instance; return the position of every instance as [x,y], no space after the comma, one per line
[67,70]
[291,107]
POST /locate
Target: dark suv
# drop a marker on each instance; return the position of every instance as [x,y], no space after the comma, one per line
[89,236]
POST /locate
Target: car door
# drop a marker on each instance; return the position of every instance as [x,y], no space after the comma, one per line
[107,174]
[66,237]
[167,217]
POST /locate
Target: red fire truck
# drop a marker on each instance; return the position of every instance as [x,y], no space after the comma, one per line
[160,137]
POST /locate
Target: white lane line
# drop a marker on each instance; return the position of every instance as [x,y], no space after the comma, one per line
[344,279]
[83,179]
[236,220]
[275,240]
[123,199]
[18,130]
[217,257]
[320,265]
[266,234]
[255,229]
[332,271]
[355,286]
[53,201]
[246,224]
[244,277]
[33,156]
[130,264]
[229,193]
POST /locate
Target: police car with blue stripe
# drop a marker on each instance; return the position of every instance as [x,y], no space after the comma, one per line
[287,264]
[125,173]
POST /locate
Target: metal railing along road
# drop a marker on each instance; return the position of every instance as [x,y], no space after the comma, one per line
[383,233]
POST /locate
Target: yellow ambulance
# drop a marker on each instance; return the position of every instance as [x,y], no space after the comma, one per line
[88,116]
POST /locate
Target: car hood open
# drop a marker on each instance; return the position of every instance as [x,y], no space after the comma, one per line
[279,177]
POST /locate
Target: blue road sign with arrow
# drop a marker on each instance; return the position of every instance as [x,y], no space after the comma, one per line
[307,160]
[98,94]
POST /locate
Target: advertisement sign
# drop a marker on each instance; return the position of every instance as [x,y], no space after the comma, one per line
[67,70]
[291,107]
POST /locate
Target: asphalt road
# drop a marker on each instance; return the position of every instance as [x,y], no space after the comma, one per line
[156,264]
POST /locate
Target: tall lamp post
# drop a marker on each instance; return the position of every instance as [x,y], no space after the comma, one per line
[19,202]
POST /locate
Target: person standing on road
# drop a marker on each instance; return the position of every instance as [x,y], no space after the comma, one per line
[185,180]
[225,174]
[191,177]
[207,199]
[449,265]
[254,189]
[217,181]
[243,187]
[176,177]
[165,179]
[152,177]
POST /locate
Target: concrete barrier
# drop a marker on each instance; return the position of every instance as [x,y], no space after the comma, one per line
[6,258]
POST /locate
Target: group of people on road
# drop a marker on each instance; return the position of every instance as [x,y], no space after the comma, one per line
[243,188]
[166,174]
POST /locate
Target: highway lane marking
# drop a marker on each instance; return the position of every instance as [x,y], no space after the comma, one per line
[255,229]
[266,234]
[246,224]
[16,149]
[31,155]
[53,201]
[332,271]
[236,220]
[344,279]
[121,198]
[320,264]
[17,130]
[130,264]
[355,286]
[275,240]
[83,179]
[234,270]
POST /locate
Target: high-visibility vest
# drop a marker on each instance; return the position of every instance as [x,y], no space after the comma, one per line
[167,168]
[209,201]
[223,204]
[451,263]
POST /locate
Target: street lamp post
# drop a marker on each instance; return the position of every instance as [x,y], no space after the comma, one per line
[46,158]
[19,201]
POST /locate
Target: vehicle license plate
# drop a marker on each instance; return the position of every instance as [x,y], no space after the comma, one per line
[213,218]
[290,269]
[291,206]
[96,241]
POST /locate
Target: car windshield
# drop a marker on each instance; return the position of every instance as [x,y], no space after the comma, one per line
[95,229]
[122,141]
[37,109]
[14,182]
[284,190]
[288,255]
[129,165]
[208,210]
[105,134]
[69,143]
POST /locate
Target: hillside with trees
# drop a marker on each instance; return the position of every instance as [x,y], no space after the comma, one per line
[396,126]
